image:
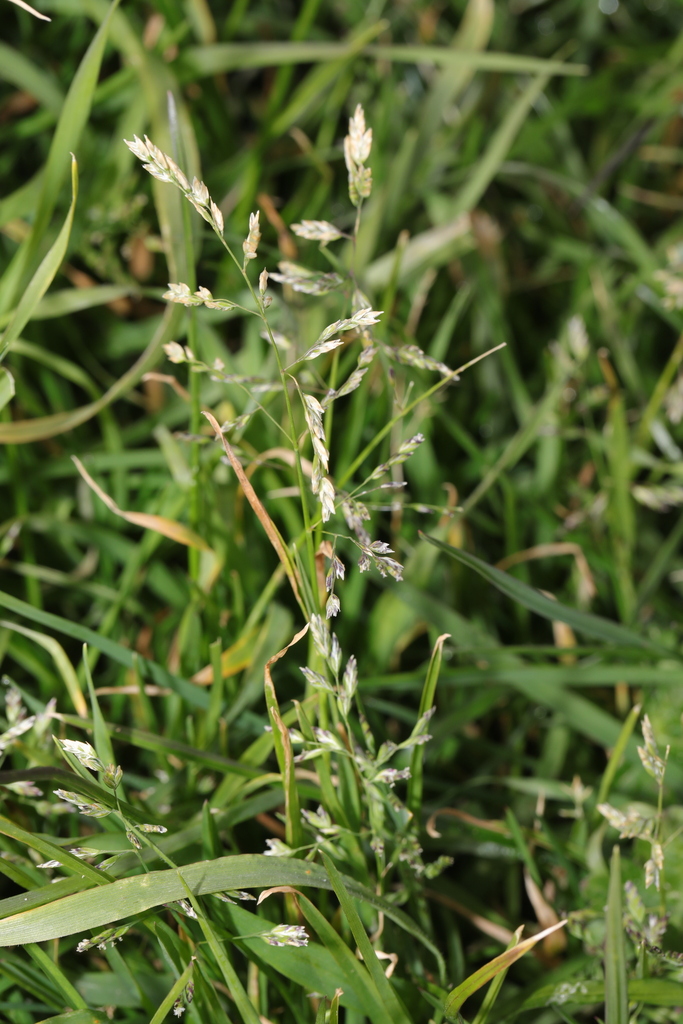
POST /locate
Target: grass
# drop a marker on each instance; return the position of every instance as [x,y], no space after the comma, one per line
[522,228]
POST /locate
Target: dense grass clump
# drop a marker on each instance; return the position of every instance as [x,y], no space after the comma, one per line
[340,571]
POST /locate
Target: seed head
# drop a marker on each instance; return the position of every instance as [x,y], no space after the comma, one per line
[250,244]
[84,753]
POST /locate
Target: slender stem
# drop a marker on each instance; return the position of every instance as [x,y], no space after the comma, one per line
[381,434]
[290,415]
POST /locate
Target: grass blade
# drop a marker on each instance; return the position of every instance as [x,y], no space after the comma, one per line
[616,986]
[414,798]
[128,896]
[383,986]
[592,625]
[52,971]
[284,752]
[200,61]
[42,427]
[194,696]
[72,120]
[42,279]
[58,654]
[160,524]
[489,971]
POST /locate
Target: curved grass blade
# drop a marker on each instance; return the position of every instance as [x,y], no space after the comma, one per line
[195,696]
[160,524]
[489,971]
[58,654]
[72,120]
[591,625]
[128,896]
[42,279]
[496,985]
[42,427]
[201,61]
[7,388]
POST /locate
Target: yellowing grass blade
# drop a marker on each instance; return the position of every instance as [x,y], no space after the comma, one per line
[475,981]
[267,523]
[166,527]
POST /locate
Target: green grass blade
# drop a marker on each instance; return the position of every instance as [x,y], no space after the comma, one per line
[650,991]
[522,848]
[353,976]
[616,986]
[73,300]
[77,1017]
[200,61]
[74,115]
[62,663]
[42,279]
[489,163]
[383,986]
[100,731]
[490,970]
[494,988]
[57,976]
[123,655]
[591,625]
[166,1005]
[135,895]
[52,852]
[235,986]
[618,751]
[284,752]
[42,427]
[23,73]
[414,797]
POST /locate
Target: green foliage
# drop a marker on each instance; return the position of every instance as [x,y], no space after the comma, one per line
[393,506]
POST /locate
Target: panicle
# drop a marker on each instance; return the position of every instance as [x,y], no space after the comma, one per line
[250,244]
[326,496]
[276,848]
[317,231]
[163,168]
[113,775]
[84,753]
[90,809]
[286,935]
[322,639]
[357,145]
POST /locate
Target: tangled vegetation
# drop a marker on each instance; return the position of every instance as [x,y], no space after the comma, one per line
[342,454]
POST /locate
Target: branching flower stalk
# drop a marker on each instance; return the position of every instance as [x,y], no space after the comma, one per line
[632,824]
[362,766]
[162,167]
